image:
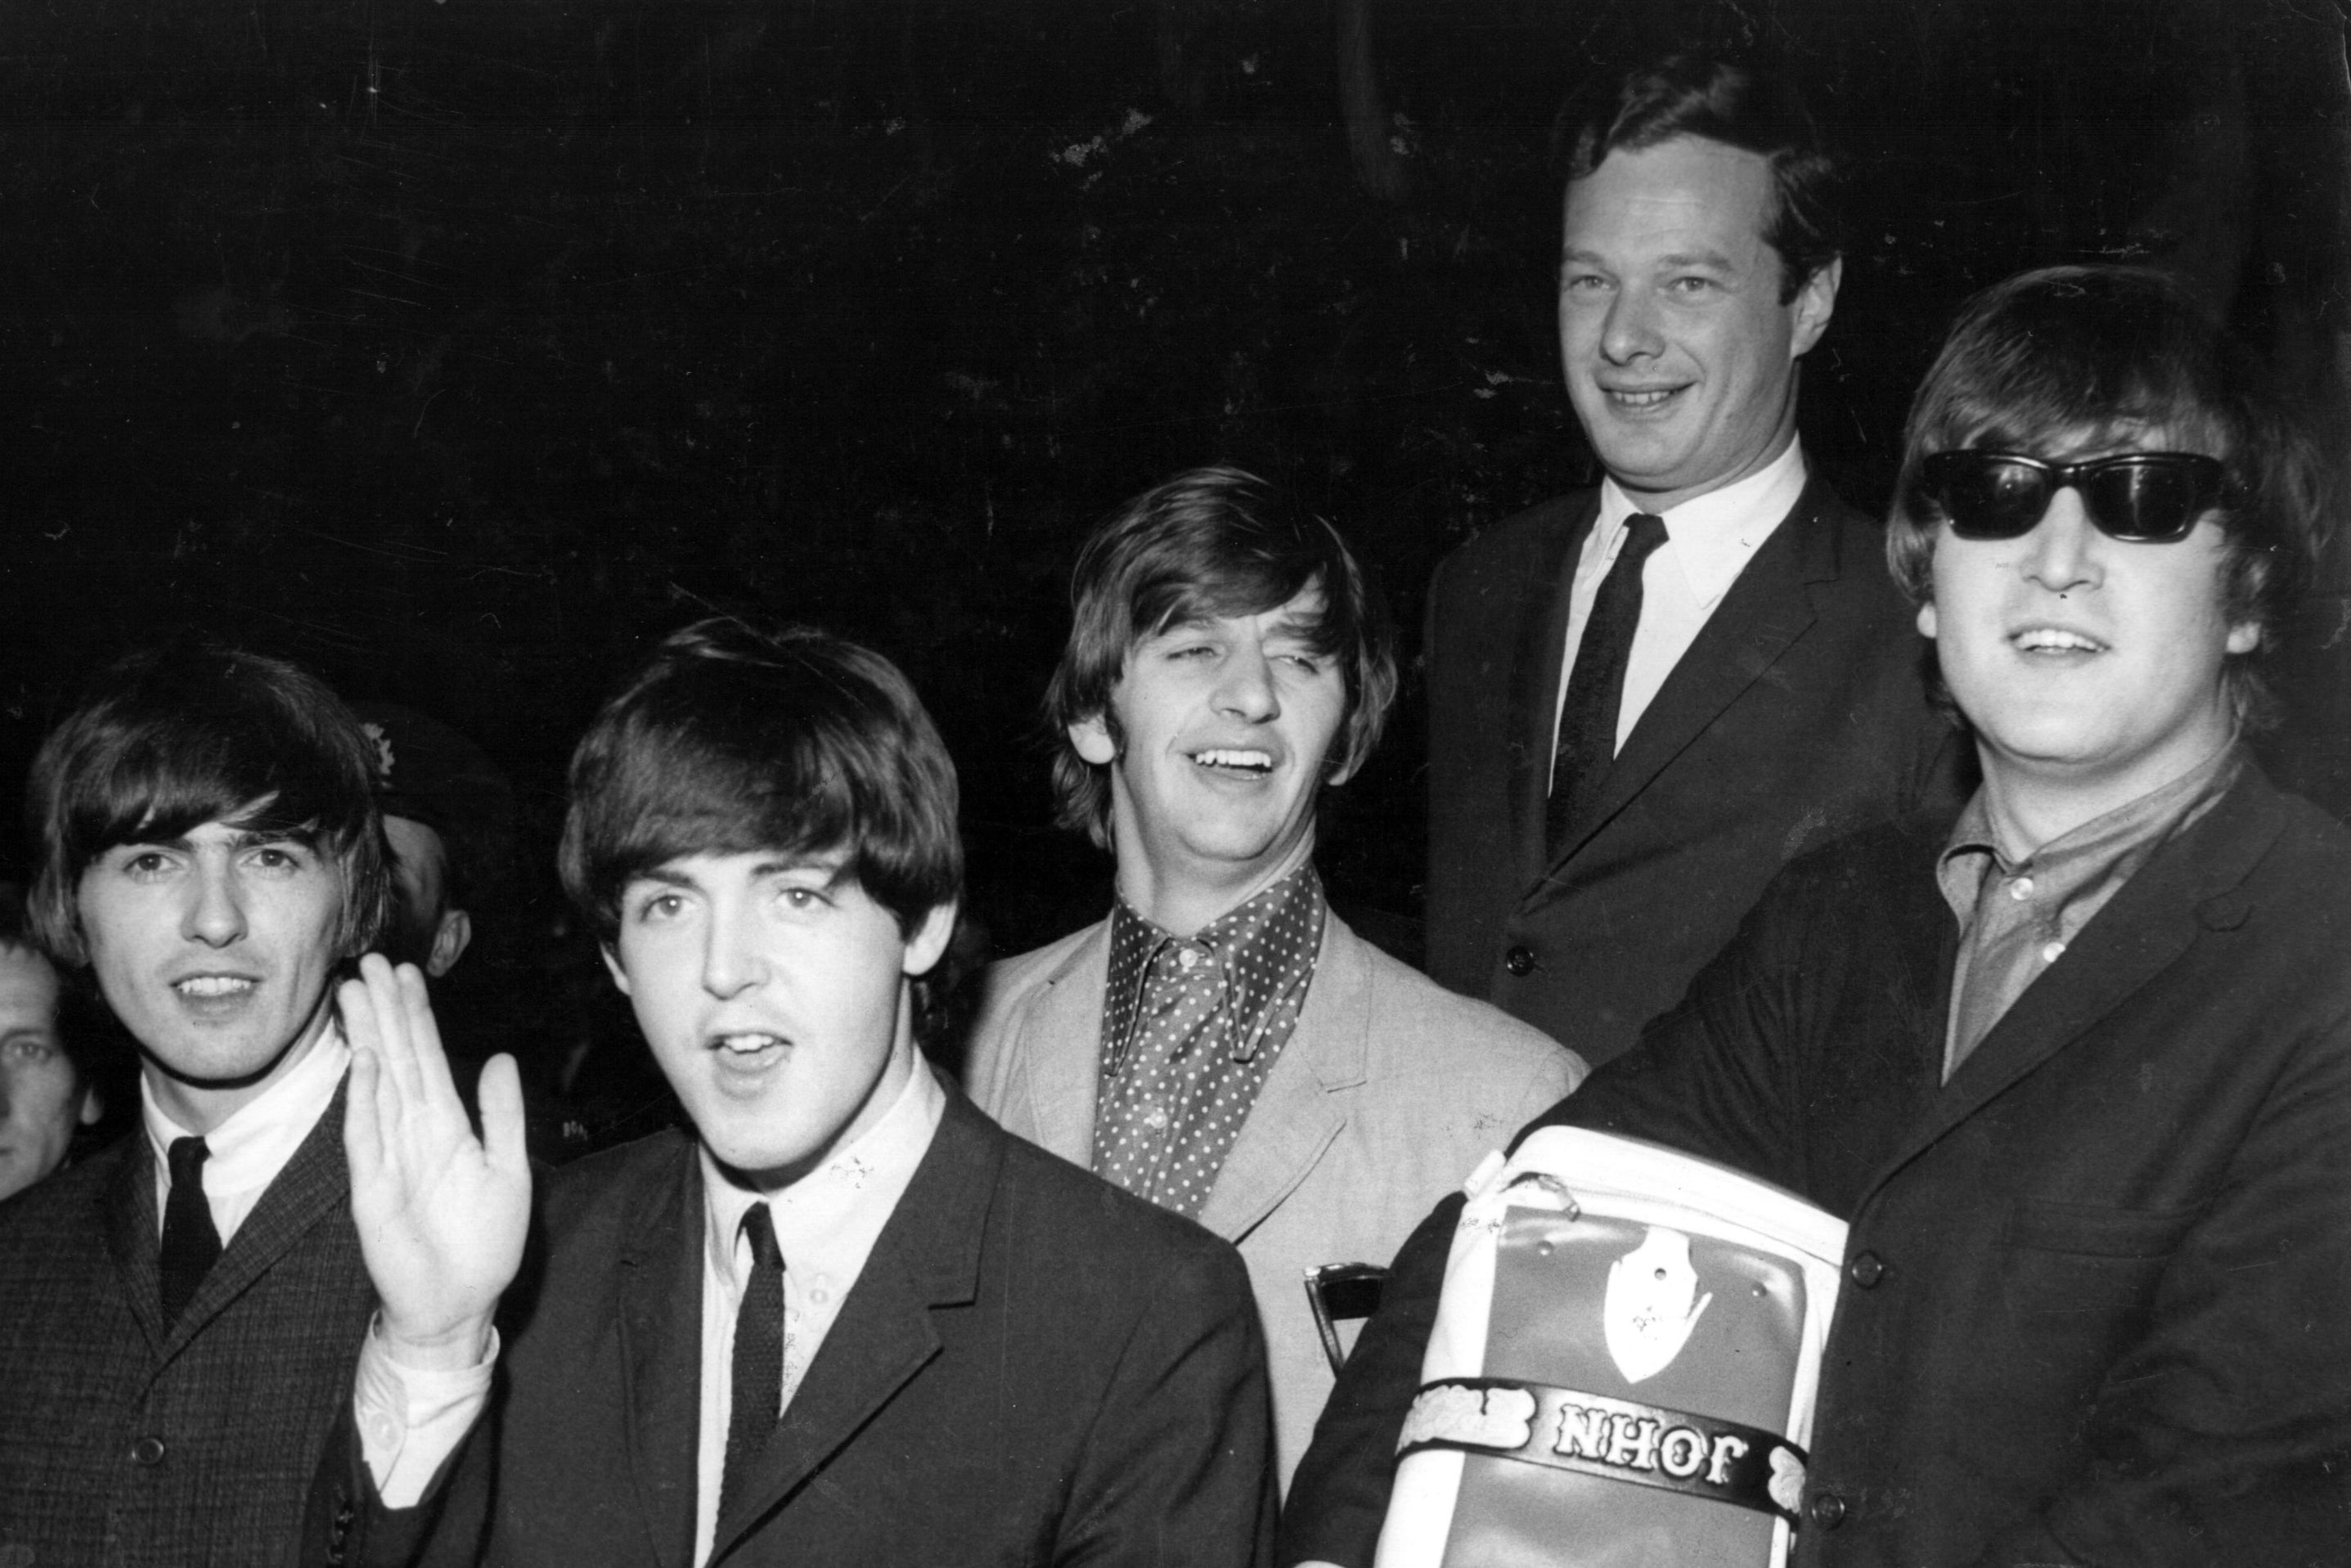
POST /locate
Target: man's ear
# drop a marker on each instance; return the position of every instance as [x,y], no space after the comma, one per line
[929,942]
[613,966]
[1090,738]
[1814,303]
[449,942]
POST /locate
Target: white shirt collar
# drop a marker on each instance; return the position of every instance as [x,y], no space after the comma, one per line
[247,1150]
[827,1221]
[1715,535]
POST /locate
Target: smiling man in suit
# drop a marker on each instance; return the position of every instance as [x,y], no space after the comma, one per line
[842,1318]
[1223,1044]
[2075,1071]
[1643,699]
[180,1316]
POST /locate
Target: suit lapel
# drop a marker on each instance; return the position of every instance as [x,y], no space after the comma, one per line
[2188,886]
[1767,607]
[1064,1048]
[1292,1120]
[661,1348]
[927,1255]
[1540,615]
[134,1237]
[314,1187]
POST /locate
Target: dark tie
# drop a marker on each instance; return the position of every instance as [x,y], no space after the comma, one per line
[758,1358]
[191,1245]
[1595,689]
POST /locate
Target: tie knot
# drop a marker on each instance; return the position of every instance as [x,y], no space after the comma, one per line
[759,1230]
[1644,532]
[186,1157]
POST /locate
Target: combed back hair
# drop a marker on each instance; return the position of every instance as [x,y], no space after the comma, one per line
[742,739]
[1739,105]
[171,737]
[2052,358]
[1210,542]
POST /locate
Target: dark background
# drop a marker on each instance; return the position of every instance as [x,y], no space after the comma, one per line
[458,350]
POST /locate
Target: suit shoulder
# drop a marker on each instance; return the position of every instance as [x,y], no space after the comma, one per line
[1408,1004]
[70,1200]
[1073,1210]
[1496,549]
[1006,981]
[609,1183]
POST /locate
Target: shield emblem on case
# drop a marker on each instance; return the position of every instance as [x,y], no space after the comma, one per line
[1652,1304]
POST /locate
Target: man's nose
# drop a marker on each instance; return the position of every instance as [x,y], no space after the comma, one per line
[2062,552]
[1245,688]
[1629,330]
[215,913]
[731,964]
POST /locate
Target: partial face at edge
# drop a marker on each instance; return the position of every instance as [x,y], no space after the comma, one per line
[42,1097]
[1226,724]
[1679,357]
[774,993]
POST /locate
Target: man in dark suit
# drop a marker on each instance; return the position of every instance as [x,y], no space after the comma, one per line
[180,1316]
[1644,699]
[845,1320]
[2077,1069]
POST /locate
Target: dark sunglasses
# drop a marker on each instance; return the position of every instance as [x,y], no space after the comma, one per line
[2146,498]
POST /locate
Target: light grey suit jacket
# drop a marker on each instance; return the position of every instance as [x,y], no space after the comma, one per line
[1388,1094]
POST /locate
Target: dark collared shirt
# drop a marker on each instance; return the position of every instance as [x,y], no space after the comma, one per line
[1191,1026]
[2018,917]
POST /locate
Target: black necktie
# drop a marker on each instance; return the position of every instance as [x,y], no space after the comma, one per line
[191,1245]
[759,1358]
[1595,689]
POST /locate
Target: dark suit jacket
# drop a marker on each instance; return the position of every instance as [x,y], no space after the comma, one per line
[123,1442]
[1797,715]
[1033,1368]
[2096,1299]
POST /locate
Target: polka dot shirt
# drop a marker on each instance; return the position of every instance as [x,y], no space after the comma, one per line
[1191,1025]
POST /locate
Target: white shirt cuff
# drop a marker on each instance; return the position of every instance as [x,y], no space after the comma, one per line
[411,1419]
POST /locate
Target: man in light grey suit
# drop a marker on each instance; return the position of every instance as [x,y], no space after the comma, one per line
[1223,1044]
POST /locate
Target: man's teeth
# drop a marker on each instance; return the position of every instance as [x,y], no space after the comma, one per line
[212,984]
[1642,399]
[1222,759]
[747,1044]
[2051,639]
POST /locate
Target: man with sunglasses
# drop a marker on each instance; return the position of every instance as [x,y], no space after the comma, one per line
[2076,1072]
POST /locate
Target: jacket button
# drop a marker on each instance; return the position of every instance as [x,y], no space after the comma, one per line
[1865,1270]
[147,1451]
[1827,1509]
[1520,960]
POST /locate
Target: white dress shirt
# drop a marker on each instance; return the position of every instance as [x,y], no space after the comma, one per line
[826,1224]
[246,1152]
[1709,540]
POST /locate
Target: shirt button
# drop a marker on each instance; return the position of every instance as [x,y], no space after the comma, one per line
[1827,1509]
[147,1451]
[1156,1118]
[1188,958]
[1520,961]
[1865,1270]
[2022,888]
[2049,954]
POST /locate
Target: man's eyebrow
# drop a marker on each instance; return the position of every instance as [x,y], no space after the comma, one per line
[832,868]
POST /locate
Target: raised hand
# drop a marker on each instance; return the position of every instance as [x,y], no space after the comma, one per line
[441,1213]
